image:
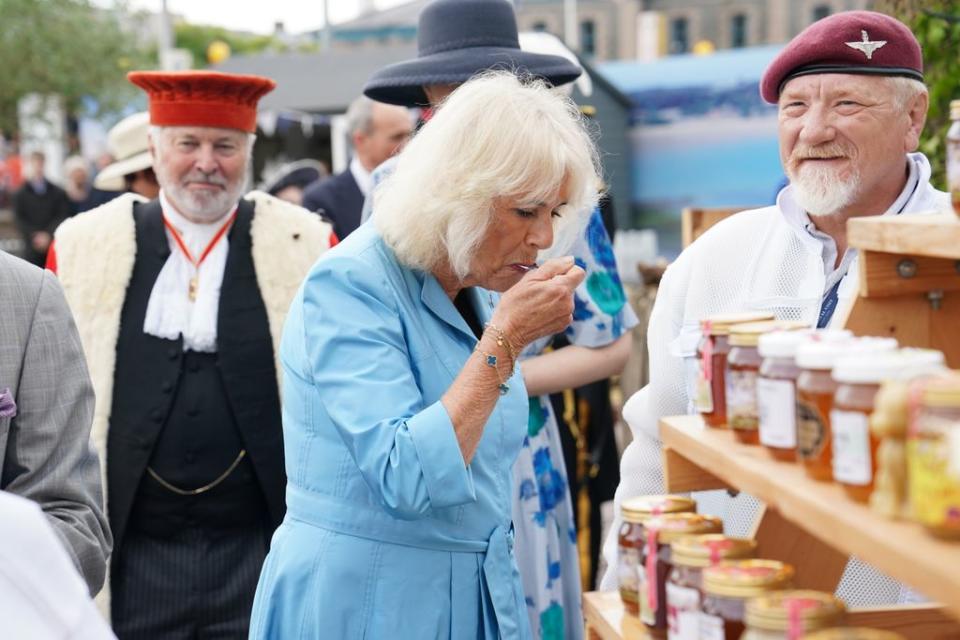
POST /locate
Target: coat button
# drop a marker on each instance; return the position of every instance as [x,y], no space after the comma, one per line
[166,386]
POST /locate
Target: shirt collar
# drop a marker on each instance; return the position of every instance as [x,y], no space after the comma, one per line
[361,176]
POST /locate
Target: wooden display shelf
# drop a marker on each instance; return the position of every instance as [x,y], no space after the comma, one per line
[822,510]
[935,235]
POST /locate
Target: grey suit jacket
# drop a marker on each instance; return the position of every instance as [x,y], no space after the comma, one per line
[45,449]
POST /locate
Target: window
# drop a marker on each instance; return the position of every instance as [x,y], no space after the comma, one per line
[539,26]
[588,38]
[821,11]
[679,38]
[738,31]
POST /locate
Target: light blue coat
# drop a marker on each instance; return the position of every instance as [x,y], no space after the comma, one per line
[388,534]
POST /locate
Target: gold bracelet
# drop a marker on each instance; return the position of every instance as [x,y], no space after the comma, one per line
[502,341]
[493,361]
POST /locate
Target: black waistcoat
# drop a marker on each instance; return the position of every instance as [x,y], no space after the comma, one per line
[148,371]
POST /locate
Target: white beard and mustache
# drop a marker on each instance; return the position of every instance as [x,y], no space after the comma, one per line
[205,205]
[817,188]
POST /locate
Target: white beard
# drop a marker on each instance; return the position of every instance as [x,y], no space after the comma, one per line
[821,192]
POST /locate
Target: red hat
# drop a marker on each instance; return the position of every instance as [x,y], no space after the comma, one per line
[202,98]
[862,42]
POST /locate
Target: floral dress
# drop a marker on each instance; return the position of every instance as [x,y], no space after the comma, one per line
[543,516]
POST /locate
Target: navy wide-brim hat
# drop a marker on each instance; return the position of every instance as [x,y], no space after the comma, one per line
[457,39]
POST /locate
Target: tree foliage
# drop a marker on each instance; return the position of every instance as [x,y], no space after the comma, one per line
[63,47]
[197,38]
[936,23]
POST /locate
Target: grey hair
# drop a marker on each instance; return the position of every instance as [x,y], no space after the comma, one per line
[156,133]
[360,115]
[905,89]
[496,136]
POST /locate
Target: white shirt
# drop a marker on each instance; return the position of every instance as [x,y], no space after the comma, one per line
[362,176]
[170,312]
[42,597]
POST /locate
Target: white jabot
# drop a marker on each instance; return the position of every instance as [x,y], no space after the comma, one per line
[362,176]
[170,312]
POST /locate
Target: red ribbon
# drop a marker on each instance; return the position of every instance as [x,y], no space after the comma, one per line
[795,608]
[652,569]
[196,262]
[715,547]
[706,356]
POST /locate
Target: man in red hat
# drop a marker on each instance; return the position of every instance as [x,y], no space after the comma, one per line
[180,302]
[851,100]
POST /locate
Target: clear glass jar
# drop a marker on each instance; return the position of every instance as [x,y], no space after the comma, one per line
[743,370]
[933,455]
[953,156]
[661,532]
[690,556]
[635,511]
[786,615]
[858,380]
[777,392]
[853,633]
[728,586]
[712,352]
[815,390]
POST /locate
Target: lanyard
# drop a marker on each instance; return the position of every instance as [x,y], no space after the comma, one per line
[196,262]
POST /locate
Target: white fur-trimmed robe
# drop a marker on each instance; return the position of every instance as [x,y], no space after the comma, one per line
[96,252]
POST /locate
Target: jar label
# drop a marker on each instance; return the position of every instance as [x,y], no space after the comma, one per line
[683,612]
[811,430]
[711,627]
[627,563]
[777,411]
[742,399]
[934,491]
[704,399]
[851,447]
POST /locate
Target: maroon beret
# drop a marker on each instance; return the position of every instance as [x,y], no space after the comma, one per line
[862,42]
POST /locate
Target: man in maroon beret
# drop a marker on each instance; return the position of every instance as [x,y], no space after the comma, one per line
[180,302]
[852,103]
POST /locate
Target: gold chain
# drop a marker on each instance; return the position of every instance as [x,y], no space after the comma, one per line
[194,492]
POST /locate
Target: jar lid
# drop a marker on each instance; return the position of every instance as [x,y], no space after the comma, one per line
[874,368]
[748,334]
[775,611]
[890,417]
[955,109]
[853,633]
[709,549]
[639,508]
[942,391]
[719,325]
[746,578]
[822,353]
[783,344]
[670,527]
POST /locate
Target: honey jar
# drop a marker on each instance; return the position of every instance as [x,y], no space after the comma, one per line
[787,615]
[815,390]
[933,454]
[690,555]
[635,512]
[777,391]
[661,532]
[728,586]
[712,354]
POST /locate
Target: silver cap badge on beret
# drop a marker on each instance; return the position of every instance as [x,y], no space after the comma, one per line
[866,46]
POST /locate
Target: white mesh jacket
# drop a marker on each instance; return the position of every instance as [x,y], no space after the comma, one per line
[758,260]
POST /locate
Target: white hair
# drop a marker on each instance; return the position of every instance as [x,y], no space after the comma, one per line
[360,115]
[496,136]
[905,89]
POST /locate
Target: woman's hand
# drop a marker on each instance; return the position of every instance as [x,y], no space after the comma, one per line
[540,304]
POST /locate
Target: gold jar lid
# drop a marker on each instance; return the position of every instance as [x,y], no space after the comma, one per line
[640,508]
[748,335]
[942,391]
[853,633]
[746,578]
[719,325]
[673,526]
[774,611]
[709,549]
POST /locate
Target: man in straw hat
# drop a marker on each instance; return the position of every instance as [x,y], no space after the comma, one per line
[458,39]
[180,302]
[851,101]
[132,169]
